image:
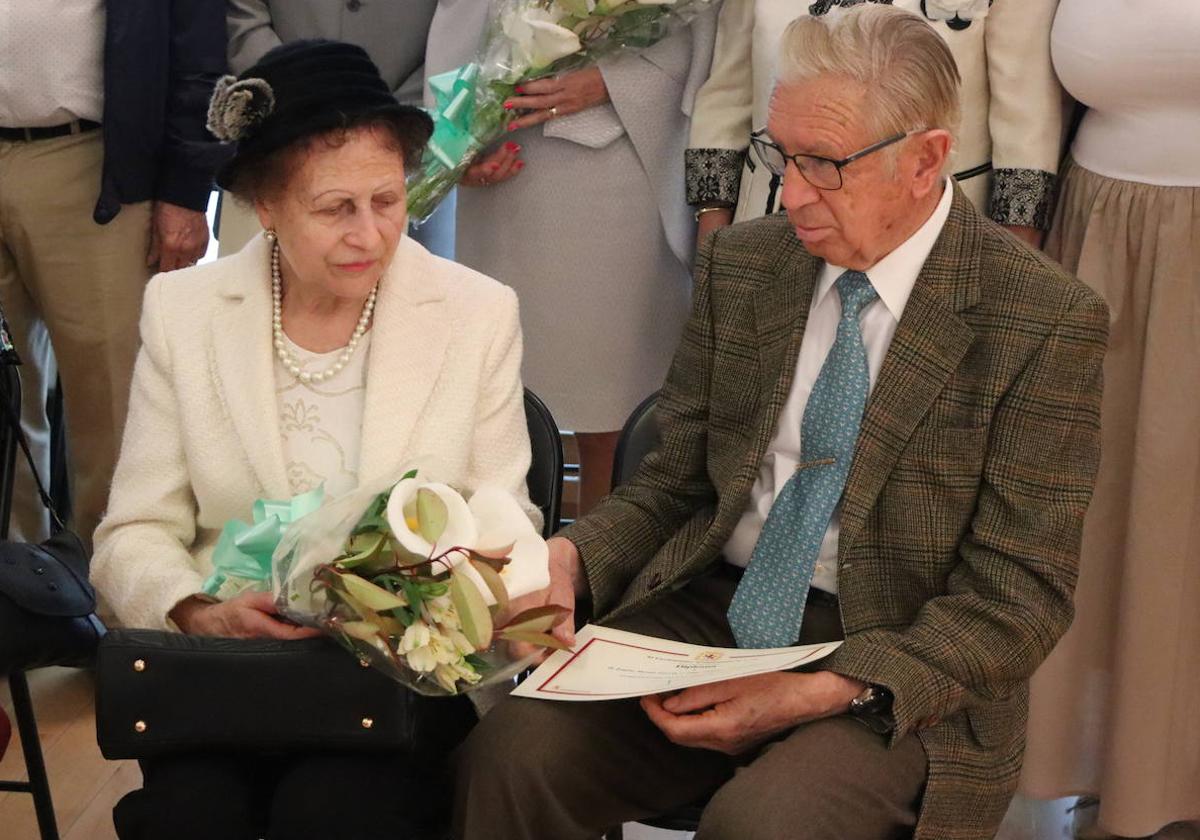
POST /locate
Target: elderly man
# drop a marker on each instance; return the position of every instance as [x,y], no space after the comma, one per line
[882,426]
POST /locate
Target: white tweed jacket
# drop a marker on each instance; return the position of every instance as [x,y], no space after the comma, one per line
[202,440]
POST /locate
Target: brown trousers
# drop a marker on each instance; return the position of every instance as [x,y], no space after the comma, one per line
[70,283]
[540,770]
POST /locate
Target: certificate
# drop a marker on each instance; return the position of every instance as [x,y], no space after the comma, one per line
[611,664]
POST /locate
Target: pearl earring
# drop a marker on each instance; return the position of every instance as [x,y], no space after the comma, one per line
[269,235]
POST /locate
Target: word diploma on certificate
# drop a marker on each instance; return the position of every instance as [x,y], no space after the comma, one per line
[611,664]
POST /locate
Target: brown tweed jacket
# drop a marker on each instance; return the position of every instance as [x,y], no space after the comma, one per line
[961,518]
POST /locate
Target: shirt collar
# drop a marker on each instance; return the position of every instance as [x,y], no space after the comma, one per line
[895,275]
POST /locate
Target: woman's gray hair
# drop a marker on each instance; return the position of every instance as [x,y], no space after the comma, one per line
[908,72]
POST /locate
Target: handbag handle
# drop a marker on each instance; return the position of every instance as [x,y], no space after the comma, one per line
[14,422]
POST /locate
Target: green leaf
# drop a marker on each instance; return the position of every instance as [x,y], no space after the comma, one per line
[472,611]
[432,515]
[373,597]
[364,630]
[538,619]
[363,549]
[539,639]
[433,589]
[494,582]
[497,563]
[403,557]
[409,474]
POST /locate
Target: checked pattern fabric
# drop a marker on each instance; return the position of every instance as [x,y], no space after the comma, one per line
[768,606]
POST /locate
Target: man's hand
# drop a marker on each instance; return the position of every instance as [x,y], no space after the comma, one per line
[559,96]
[735,716]
[566,581]
[178,236]
[711,220]
[1031,236]
[250,615]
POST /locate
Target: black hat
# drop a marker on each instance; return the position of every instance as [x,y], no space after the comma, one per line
[302,89]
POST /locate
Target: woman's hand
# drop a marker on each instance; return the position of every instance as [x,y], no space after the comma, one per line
[251,615]
[496,168]
[546,99]
[711,220]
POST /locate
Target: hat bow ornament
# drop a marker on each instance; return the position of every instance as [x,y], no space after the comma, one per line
[237,106]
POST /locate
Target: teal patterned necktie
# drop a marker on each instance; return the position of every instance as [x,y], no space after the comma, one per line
[768,606]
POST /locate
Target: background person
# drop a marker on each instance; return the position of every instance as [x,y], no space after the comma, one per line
[1008,145]
[579,212]
[1114,710]
[336,352]
[105,172]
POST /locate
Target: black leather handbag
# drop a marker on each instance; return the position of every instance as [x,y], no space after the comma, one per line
[46,601]
[161,693]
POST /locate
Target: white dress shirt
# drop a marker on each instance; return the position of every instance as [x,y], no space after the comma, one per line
[893,278]
[51,62]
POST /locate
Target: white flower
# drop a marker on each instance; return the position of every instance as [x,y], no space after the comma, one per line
[492,523]
[402,517]
[426,648]
[447,675]
[536,39]
[948,9]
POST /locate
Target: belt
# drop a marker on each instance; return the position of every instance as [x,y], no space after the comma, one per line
[48,132]
[815,596]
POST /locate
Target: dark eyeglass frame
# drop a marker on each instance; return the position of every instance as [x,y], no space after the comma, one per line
[758,140]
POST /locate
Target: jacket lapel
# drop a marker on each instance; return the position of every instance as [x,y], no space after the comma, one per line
[930,341]
[245,374]
[781,314]
[409,336]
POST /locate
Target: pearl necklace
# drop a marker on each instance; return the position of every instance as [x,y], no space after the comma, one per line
[281,349]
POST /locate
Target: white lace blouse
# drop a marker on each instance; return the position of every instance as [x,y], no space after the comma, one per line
[321,424]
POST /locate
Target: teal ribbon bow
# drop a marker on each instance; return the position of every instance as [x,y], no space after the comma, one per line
[244,551]
[453,114]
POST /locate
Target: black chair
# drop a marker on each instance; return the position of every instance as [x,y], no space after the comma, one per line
[39,784]
[545,477]
[639,437]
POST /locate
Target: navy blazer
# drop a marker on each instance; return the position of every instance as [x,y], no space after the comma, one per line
[161,60]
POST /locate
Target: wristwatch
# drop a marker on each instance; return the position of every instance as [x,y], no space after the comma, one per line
[873,708]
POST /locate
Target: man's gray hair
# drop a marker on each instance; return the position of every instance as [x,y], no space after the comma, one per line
[905,67]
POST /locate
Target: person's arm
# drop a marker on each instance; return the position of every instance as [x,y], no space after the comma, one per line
[617,538]
[721,118]
[179,230]
[1024,115]
[500,445]
[251,33]
[142,563]
[1009,599]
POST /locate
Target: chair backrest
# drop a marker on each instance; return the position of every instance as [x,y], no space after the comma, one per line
[10,392]
[638,439]
[545,476]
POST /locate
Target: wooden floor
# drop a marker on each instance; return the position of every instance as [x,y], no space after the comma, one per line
[84,785]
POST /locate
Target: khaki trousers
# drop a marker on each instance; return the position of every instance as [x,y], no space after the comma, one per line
[540,770]
[71,284]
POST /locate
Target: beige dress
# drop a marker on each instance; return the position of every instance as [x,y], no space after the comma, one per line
[1115,710]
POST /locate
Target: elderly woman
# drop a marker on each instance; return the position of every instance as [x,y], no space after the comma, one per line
[331,350]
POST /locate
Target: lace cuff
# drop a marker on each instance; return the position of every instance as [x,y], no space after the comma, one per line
[1023,197]
[713,175]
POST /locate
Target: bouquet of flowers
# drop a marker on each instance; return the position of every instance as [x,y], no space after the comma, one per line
[412,578]
[526,40]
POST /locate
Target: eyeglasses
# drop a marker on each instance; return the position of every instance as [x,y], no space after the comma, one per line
[822,172]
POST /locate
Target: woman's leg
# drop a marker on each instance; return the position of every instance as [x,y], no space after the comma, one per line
[197,797]
[596,450]
[362,796]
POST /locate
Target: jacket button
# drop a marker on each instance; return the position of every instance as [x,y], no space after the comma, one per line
[354,5]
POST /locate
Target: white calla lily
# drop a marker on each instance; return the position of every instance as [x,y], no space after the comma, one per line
[460,525]
[537,40]
[503,525]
